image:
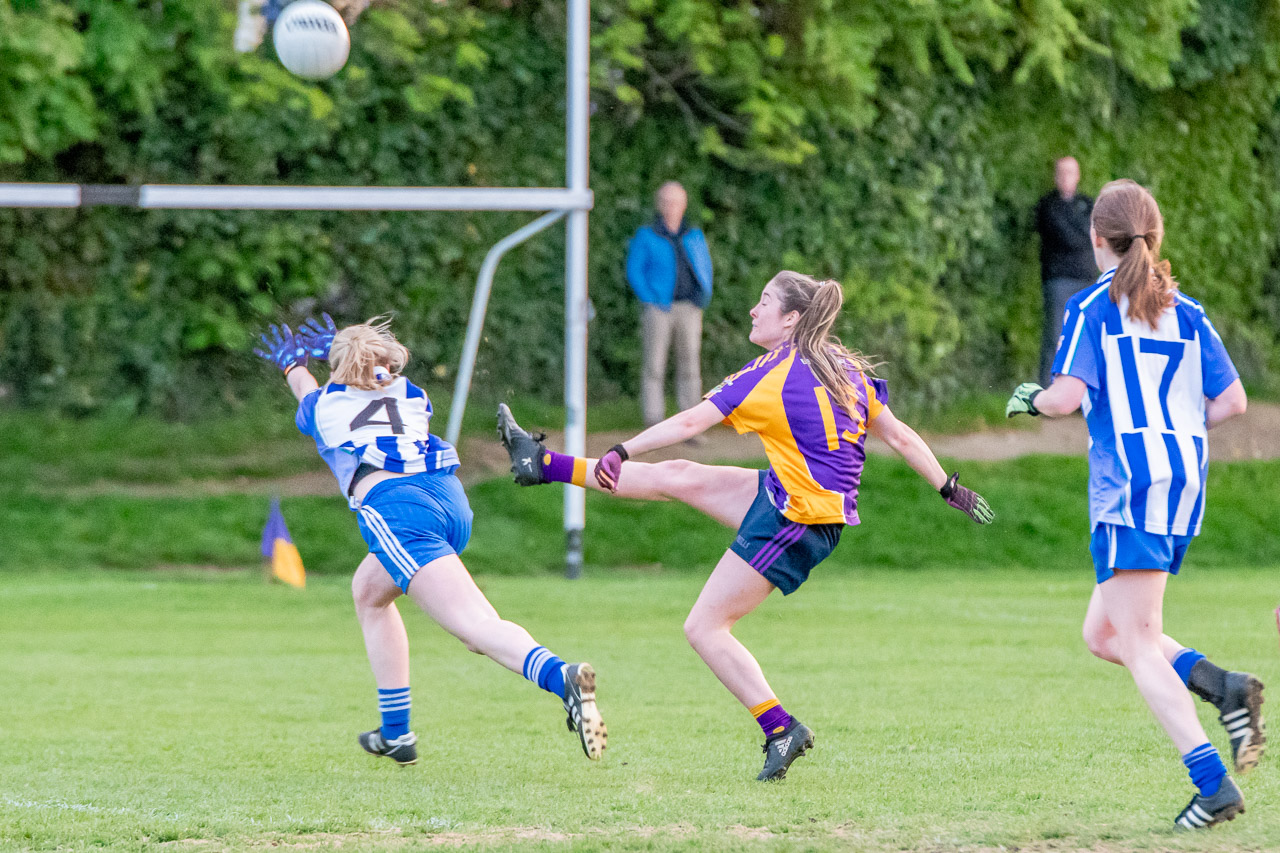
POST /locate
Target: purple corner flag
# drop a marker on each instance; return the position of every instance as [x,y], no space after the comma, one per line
[274,529]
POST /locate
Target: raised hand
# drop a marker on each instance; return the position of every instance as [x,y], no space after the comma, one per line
[609,467]
[316,338]
[1023,401]
[282,348]
[967,501]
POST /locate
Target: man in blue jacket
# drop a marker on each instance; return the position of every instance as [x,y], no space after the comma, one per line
[669,268]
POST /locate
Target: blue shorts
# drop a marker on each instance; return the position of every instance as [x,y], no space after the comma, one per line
[781,550]
[410,521]
[1118,548]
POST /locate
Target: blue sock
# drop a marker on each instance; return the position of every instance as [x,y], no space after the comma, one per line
[394,705]
[545,670]
[1206,768]
[1183,661]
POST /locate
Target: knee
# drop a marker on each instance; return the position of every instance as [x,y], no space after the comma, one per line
[693,630]
[1098,640]
[362,593]
[368,594]
[700,632]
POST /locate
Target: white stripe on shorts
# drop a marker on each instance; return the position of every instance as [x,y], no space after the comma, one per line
[390,544]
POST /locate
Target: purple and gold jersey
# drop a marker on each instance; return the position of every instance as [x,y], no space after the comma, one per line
[815,448]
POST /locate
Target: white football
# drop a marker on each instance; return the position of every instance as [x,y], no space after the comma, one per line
[311,39]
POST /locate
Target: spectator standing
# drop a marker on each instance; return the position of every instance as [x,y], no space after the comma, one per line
[1066,253]
[669,269]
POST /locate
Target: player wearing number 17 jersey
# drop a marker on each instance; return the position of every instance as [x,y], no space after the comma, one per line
[372,426]
[1152,376]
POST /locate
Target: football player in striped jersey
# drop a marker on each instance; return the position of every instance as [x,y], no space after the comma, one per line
[372,426]
[1152,376]
[812,402]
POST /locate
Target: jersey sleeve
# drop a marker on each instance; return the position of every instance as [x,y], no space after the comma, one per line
[729,394]
[877,396]
[1080,346]
[1215,365]
[306,417]
[416,396]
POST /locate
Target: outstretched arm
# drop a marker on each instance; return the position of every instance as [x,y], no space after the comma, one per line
[301,382]
[681,426]
[288,352]
[675,429]
[908,444]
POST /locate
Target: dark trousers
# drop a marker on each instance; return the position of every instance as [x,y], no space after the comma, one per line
[1057,292]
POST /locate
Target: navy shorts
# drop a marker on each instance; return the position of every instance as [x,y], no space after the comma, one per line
[1118,548]
[781,550]
[410,521]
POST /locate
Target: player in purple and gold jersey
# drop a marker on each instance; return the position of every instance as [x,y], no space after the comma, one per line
[812,402]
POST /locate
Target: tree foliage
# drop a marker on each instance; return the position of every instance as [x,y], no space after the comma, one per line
[896,146]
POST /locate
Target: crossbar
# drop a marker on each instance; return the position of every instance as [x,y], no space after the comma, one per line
[194,197]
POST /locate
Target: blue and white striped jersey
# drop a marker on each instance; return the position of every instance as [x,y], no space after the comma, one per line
[1145,407]
[387,428]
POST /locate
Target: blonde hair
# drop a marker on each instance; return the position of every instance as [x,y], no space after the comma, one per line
[818,303]
[367,356]
[1127,217]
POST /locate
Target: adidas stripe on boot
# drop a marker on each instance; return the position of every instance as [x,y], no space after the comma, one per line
[1203,812]
[1241,716]
[783,748]
[403,750]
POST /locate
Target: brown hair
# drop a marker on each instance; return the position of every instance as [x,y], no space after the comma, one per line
[367,356]
[819,303]
[1127,217]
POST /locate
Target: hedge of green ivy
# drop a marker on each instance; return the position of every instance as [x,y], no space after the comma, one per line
[898,147]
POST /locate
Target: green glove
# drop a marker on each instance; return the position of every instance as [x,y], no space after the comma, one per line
[1023,401]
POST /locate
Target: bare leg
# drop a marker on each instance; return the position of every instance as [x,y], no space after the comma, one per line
[1100,636]
[733,590]
[385,640]
[446,592]
[724,492]
[1133,601]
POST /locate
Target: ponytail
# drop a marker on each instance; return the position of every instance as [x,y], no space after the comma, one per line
[819,303]
[367,356]
[1127,217]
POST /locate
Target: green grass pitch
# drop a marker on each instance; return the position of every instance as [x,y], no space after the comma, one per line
[954,710]
[149,708]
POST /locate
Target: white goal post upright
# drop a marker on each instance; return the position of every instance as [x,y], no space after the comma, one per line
[571,202]
[575,276]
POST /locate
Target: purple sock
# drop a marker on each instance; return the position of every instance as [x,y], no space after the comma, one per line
[561,468]
[774,720]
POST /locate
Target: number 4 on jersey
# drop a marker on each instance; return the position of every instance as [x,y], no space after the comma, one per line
[365,418]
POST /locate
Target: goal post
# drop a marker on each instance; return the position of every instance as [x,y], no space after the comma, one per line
[571,202]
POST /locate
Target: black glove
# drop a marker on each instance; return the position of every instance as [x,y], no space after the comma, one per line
[967,501]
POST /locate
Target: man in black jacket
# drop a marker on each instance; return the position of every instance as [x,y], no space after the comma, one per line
[1066,254]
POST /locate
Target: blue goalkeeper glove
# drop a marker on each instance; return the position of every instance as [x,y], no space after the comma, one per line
[282,348]
[316,338]
[1023,401]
